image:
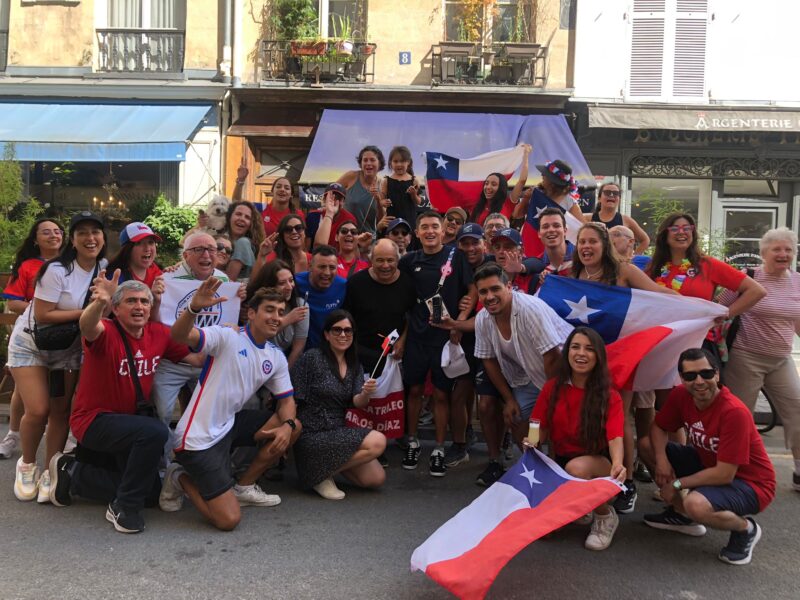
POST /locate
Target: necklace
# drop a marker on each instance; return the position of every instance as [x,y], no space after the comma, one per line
[591,275]
[675,281]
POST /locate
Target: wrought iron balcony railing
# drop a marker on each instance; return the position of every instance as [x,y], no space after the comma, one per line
[3,49]
[141,50]
[318,61]
[501,63]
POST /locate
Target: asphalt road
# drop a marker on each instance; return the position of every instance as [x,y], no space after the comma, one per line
[360,548]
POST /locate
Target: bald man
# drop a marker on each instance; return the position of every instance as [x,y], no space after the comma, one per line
[625,244]
[379,298]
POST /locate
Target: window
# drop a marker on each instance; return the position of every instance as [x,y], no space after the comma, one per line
[653,199]
[505,20]
[343,19]
[511,21]
[147,14]
[463,20]
[5,7]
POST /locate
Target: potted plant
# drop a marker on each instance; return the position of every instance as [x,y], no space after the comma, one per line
[296,22]
[343,34]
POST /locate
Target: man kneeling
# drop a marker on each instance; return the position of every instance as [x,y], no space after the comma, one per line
[726,467]
[238,364]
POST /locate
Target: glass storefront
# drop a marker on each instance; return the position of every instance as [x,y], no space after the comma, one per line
[653,199]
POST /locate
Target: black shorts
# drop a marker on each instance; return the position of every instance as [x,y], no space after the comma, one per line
[210,469]
[418,359]
[737,497]
[484,385]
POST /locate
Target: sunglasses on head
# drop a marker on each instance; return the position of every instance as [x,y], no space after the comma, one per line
[294,228]
[704,373]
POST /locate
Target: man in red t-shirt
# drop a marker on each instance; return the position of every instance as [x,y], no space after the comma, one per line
[725,470]
[109,414]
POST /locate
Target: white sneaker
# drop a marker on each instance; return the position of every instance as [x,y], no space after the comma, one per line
[252,495]
[44,488]
[72,443]
[328,490]
[9,445]
[602,532]
[171,497]
[585,519]
[26,481]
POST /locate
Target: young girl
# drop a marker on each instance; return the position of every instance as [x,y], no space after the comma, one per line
[400,190]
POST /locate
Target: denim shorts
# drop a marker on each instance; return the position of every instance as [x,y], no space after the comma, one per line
[22,352]
[737,497]
[526,398]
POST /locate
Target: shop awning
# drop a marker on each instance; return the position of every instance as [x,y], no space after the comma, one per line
[60,132]
[693,119]
[342,133]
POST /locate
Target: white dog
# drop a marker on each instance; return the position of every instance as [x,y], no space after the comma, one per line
[217,210]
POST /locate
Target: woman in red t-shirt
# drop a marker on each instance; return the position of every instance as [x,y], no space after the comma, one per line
[581,415]
[350,242]
[495,197]
[282,204]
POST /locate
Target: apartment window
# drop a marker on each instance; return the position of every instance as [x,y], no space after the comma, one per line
[504,20]
[464,20]
[5,7]
[511,21]
[143,36]
[343,18]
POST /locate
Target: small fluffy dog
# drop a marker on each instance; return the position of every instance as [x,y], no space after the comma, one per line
[217,209]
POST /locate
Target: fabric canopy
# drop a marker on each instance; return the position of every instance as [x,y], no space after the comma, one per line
[693,119]
[99,132]
[342,133]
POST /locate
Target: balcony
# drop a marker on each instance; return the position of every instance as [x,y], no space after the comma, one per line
[140,50]
[3,49]
[319,61]
[501,63]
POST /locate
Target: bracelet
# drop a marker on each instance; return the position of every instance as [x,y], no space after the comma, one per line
[328,217]
[190,311]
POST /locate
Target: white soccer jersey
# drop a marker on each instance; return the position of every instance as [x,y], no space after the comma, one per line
[235,368]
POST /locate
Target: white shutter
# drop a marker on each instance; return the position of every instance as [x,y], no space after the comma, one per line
[647,48]
[689,70]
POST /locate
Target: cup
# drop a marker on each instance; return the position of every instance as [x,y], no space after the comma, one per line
[533,432]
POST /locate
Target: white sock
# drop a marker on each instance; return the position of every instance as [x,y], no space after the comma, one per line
[796,464]
[176,478]
[15,434]
[241,488]
[750,526]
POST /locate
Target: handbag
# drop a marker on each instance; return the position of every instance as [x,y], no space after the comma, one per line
[143,407]
[62,335]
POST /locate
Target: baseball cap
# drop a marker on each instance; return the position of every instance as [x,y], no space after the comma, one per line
[336,188]
[396,223]
[472,230]
[85,215]
[134,232]
[510,234]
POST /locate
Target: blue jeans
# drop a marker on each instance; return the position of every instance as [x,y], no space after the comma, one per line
[170,378]
[135,445]
[526,397]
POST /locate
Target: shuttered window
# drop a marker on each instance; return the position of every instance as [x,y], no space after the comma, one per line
[668,49]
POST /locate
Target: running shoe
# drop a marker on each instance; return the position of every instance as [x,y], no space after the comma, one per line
[674,521]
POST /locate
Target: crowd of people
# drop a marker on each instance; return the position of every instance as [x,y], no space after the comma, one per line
[320,292]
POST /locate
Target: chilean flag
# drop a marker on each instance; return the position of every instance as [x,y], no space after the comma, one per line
[533,498]
[618,312]
[459,181]
[531,243]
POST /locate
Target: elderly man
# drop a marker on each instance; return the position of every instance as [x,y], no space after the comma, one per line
[199,258]
[724,476]
[323,290]
[112,405]
[379,299]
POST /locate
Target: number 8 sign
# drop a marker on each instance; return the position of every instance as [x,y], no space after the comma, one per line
[405,58]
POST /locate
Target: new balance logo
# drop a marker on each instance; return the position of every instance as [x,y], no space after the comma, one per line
[243,352]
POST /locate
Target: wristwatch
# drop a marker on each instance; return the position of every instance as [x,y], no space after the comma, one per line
[290,423]
[677,485]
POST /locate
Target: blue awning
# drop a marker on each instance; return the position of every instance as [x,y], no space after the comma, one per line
[59,132]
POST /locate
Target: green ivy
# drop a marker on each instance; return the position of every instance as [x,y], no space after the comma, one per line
[170,223]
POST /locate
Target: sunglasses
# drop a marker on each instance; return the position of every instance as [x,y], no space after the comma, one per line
[612,193]
[348,231]
[342,331]
[455,220]
[704,373]
[224,248]
[680,228]
[294,228]
[400,231]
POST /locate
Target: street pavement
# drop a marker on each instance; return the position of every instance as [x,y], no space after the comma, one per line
[360,547]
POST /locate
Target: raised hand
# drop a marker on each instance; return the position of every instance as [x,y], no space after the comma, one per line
[330,205]
[268,245]
[205,296]
[102,288]
[364,240]
[158,288]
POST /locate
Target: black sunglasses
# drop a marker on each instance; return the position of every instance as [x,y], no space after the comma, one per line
[704,373]
[224,248]
[294,228]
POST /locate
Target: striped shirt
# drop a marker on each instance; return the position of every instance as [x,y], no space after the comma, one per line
[769,327]
[535,329]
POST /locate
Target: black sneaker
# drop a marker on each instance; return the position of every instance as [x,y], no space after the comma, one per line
[626,501]
[641,473]
[411,459]
[508,446]
[796,482]
[437,467]
[124,521]
[384,462]
[739,550]
[60,479]
[674,521]
[455,455]
[471,437]
[492,472]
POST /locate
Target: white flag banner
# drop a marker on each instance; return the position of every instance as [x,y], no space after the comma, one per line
[179,292]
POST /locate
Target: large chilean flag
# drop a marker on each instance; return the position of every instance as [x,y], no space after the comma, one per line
[533,498]
[458,181]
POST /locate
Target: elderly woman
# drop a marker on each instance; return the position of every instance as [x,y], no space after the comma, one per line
[762,352]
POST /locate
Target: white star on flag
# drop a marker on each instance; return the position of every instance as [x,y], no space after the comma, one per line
[540,210]
[441,163]
[580,310]
[529,475]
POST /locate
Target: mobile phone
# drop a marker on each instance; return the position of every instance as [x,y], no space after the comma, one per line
[436,309]
[57,385]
